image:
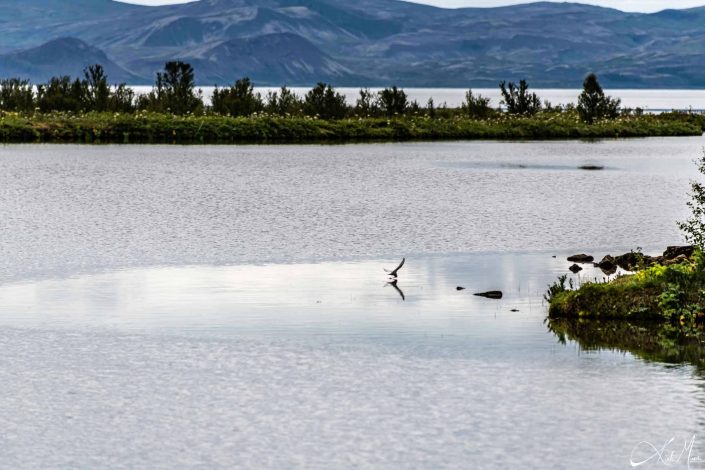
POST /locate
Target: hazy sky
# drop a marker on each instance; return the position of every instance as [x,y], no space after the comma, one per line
[626,5]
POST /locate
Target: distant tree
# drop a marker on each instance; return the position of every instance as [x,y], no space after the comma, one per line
[97,88]
[122,99]
[366,104]
[518,100]
[431,108]
[392,101]
[174,91]
[62,94]
[476,106]
[283,103]
[238,100]
[323,101]
[593,104]
[16,95]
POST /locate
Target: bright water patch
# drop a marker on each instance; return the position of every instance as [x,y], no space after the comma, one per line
[334,301]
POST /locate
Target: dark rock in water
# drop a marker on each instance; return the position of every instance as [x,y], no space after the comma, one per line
[494,294]
[581,258]
[460,288]
[633,260]
[607,261]
[575,268]
[609,271]
[607,265]
[591,167]
[629,261]
[553,256]
[673,252]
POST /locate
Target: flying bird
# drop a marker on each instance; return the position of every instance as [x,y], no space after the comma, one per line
[396,270]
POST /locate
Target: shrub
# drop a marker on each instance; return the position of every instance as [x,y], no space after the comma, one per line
[238,100]
[283,103]
[16,95]
[392,101]
[519,100]
[96,87]
[476,106]
[366,104]
[323,101]
[694,227]
[122,99]
[62,94]
[593,104]
[173,91]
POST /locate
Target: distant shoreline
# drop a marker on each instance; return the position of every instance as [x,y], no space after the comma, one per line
[649,99]
[155,128]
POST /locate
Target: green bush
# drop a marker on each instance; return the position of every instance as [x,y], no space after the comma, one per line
[324,102]
[518,100]
[392,101]
[593,104]
[238,100]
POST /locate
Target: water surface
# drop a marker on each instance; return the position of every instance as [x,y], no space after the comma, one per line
[168,307]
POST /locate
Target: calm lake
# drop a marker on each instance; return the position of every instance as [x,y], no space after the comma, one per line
[215,306]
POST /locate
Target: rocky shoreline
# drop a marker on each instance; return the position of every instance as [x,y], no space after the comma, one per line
[634,260]
[666,288]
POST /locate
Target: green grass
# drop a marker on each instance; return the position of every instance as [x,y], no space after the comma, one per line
[657,313]
[674,294]
[162,128]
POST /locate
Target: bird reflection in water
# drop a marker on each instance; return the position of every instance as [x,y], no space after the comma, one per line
[396,287]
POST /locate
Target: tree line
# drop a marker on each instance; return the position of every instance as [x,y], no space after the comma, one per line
[174,92]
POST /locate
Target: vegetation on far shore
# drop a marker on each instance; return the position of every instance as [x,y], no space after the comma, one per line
[147,127]
[90,110]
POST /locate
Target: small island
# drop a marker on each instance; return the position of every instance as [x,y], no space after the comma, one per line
[89,110]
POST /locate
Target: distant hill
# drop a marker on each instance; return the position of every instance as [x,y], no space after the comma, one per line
[271,58]
[365,42]
[64,56]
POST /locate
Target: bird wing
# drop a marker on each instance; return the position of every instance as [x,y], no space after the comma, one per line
[394,273]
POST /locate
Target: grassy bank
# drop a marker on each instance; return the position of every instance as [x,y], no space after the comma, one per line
[673,294]
[144,127]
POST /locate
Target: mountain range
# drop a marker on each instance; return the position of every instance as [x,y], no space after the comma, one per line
[360,43]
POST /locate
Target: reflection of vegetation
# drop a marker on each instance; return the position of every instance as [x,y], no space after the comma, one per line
[660,342]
